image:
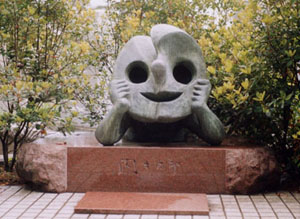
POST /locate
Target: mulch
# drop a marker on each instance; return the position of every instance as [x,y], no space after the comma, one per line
[9,178]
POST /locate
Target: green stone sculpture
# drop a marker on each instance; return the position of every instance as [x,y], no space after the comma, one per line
[159,91]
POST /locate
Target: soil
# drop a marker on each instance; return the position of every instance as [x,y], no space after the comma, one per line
[9,178]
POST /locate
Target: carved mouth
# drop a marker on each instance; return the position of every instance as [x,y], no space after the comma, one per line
[163,96]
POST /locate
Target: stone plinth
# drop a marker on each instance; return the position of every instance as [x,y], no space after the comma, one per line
[140,169]
[143,203]
[79,164]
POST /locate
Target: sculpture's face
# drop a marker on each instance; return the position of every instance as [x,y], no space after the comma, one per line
[161,71]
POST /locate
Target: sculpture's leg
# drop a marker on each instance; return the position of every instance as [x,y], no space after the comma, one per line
[203,121]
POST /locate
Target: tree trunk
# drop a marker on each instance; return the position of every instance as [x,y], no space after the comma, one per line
[5,156]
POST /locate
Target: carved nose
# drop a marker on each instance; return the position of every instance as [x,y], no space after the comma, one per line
[158,69]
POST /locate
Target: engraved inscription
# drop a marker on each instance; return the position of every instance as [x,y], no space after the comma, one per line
[173,166]
[160,165]
[133,167]
[146,165]
[128,167]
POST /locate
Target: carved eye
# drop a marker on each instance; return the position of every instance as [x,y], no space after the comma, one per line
[137,72]
[183,72]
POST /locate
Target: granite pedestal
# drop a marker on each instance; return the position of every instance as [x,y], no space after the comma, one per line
[79,163]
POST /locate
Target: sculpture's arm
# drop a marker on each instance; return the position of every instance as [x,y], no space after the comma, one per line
[203,121]
[115,123]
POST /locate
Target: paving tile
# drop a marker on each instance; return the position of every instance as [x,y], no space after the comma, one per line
[217,217]
[250,217]
[27,217]
[149,216]
[68,206]
[213,196]
[266,209]
[295,211]
[131,216]
[3,188]
[183,217]
[297,216]
[248,210]
[284,214]
[269,214]
[33,210]
[235,217]
[13,201]
[250,214]
[46,215]
[282,210]
[166,216]
[232,210]
[13,214]
[63,215]
[236,207]
[66,211]
[8,217]
[17,201]
[83,216]
[30,215]
[216,214]
[233,214]
[216,210]
[200,217]
[97,216]
[114,216]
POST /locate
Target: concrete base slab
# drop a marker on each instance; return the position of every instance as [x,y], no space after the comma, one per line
[143,203]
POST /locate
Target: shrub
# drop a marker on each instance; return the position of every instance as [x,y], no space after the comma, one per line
[43,55]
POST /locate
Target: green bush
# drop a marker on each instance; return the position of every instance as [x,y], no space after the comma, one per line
[43,53]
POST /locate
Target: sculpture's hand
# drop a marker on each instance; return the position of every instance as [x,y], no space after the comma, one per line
[200,94]
[115,123]
[204,122]
[119,91]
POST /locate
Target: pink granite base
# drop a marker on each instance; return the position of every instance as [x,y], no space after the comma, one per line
[85,165]
[140,169]
[143,203]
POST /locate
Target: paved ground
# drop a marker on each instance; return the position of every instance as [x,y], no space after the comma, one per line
[19,202]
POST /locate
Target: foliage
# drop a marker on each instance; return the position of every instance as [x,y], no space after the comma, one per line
[43,57]
[252,51]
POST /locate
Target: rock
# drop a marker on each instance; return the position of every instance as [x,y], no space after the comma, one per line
[251,170]
[43,166]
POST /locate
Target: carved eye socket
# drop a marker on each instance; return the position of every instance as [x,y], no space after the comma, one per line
[137,72]
[183,72]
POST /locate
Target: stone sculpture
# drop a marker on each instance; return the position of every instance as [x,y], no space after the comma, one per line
[159,91]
